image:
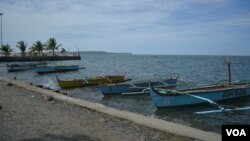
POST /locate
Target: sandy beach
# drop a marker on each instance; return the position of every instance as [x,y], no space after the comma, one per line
[29,116]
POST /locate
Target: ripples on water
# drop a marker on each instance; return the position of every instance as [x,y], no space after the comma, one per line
[198,70]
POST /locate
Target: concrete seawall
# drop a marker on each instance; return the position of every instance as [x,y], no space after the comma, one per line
[38,58]
[136,118]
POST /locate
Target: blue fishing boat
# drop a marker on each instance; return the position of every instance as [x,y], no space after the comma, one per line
[135,88]
[54,69]
[22,66]
[162,97]
[170,98]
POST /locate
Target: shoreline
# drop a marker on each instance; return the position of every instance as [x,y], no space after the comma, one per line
[162,127]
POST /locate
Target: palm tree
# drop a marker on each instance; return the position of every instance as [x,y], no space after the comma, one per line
[22,46]
[52,45]
[6,50]
[38,46]
[63,51]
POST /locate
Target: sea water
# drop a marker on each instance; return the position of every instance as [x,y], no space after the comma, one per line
[197,70]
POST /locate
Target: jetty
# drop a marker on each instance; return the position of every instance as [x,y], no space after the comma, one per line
[39,58]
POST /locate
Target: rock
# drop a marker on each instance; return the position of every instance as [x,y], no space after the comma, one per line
[47,88]
[0,107]
[9,84]
[48,98]
[57,91]
[31,83]
[40,86]
[14,77]
[64,93]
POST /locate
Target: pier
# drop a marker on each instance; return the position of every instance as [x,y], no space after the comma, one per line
[38,58]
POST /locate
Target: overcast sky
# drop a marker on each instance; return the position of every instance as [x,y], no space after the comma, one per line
[200,27]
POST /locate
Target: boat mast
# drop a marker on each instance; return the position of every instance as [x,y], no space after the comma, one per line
[229,72]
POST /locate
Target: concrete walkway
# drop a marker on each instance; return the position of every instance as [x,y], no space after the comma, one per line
[158,124]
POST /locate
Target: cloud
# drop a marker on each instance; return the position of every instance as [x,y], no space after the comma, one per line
[130,24]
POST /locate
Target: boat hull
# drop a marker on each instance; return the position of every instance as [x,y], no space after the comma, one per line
[127,89]
[161,99]
[93,81]
[20,67]
[17,68]
[71,83]
[105,79]
[55,69]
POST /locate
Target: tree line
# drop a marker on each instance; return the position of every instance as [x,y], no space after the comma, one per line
[37,48]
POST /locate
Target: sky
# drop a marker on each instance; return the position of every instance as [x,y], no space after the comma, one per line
[169,27]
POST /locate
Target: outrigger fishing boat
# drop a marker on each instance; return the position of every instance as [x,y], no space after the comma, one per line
[171,98]
[108,79]
[22,66]
[71,83]
[54,69]
[136,88]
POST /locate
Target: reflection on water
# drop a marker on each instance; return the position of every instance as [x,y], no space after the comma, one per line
[139,104]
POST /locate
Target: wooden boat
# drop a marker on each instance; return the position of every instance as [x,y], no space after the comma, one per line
[171,98]
[71,83]
[22,66]
[53,69]
[136,88]
[210,94]
[108,79]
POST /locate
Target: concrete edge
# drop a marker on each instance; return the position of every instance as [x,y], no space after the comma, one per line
[159,124]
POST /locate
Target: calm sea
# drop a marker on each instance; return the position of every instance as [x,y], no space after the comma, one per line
[198,70]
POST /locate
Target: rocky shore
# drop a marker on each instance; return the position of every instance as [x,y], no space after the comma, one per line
[29,116]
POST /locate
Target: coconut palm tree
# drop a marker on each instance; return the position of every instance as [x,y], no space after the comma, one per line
[6,50]
[63,51]
[22,46]
[38,46]
[52,45]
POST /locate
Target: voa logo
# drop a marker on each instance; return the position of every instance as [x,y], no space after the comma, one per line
[236,132]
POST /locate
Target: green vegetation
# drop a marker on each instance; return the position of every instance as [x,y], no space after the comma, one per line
[36,49]
[37,46]
[22,46]
[6,50]
[63,50]
[52,45]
